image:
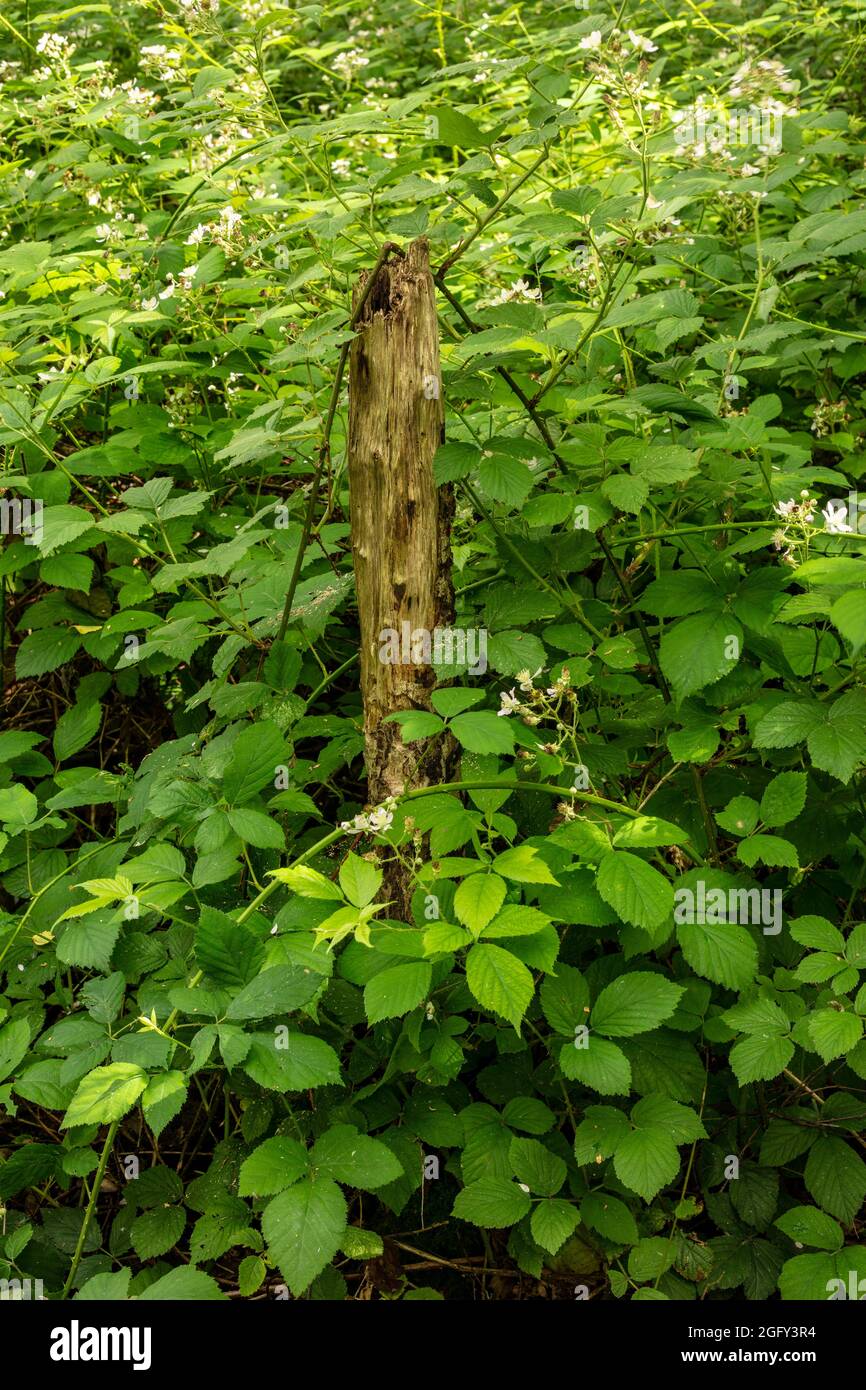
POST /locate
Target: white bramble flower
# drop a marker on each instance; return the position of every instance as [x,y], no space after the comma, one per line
[591,41]
[138,96]
[641,44]
[376,821]
[526,678]
[835,522]
[785,508]
[150,304]
[510,703]
[348,63]
[341,167]
[54,46]
[519,290]
[562,684]
[230,220]
[198,234]
[165,62]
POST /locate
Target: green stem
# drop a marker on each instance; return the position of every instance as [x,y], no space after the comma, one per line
[329,680]
[91,1206]
[502,784]
[690,531]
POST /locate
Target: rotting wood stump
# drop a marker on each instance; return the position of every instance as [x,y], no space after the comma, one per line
[401,521]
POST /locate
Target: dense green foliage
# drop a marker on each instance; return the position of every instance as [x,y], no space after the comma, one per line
[649,235]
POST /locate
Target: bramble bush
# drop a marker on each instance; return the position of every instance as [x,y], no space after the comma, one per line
[618,1050]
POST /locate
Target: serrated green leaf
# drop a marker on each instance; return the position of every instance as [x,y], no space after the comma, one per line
[634,1003]
[499,981]
[105,1094]
[303,1227]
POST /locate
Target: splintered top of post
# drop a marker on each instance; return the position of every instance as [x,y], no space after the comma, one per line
[393,279]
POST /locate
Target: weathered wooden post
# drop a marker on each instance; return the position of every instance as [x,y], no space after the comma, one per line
[401,521]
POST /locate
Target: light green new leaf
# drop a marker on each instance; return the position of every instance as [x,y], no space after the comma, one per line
[105,1094]
[647,832]
[308,883]
[359,880]
[478,899]
[523,864]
